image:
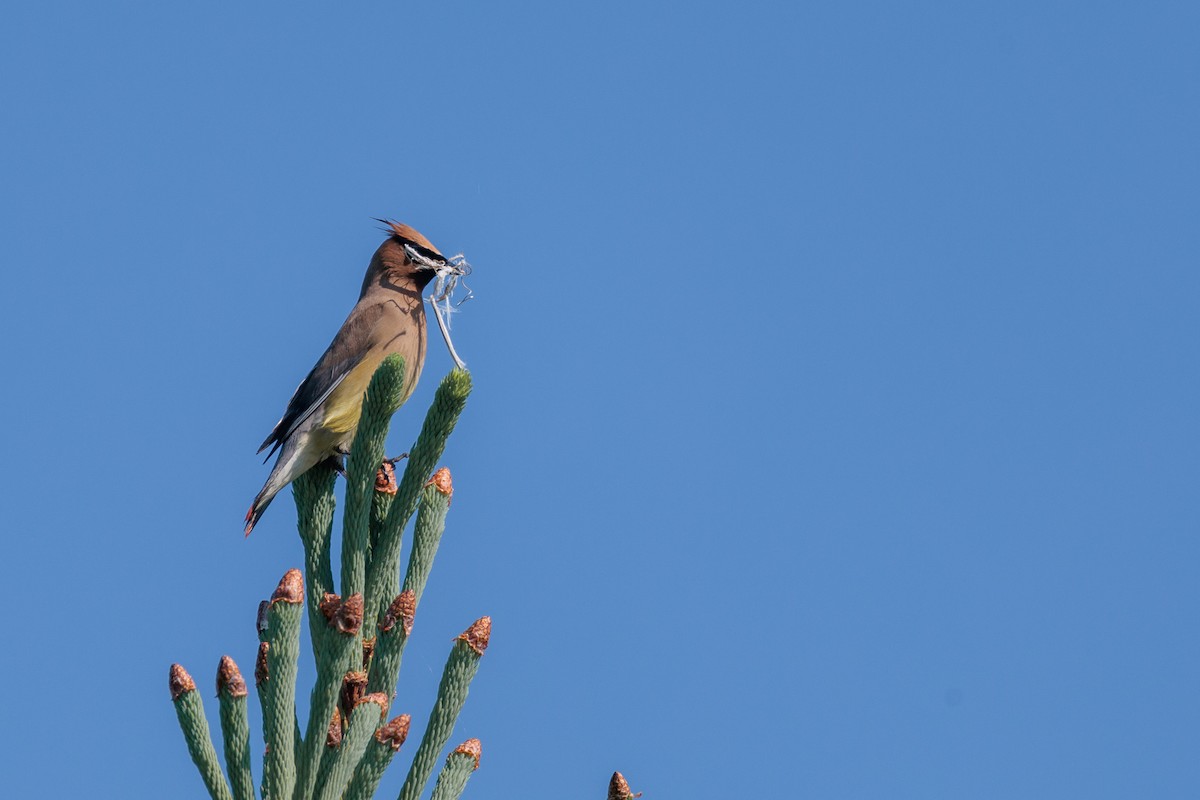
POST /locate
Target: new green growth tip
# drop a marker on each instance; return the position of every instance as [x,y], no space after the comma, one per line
[460,764]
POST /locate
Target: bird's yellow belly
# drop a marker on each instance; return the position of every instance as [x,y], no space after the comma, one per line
[344,406]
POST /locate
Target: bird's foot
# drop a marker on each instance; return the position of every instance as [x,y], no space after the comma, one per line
[398,458]
[336,464]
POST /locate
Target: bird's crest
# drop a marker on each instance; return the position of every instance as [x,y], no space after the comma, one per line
[412,236]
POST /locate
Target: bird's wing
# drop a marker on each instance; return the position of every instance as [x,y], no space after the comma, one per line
[348,348]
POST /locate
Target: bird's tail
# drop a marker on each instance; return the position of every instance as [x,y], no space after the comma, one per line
[259,505]
[296,457]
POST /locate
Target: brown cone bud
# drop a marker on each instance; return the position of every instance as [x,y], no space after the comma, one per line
[333,735]
[403,610]
[329,605]
[290,588]
[477,635]
[260,665]
[348,617]
[378,698]
[368,651]
[229,678]
[394,733]
[618,788]
[473,748]
[442,482]
[385,479]
[180,682]
[354,686]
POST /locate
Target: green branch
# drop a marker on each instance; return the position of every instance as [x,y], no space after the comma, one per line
[279,708]
[387,741]
[427,533]
[190,711]
[381,401]
[448,402]
[235,727]
[343,621]
[460,669]
[365,717]
[313,492]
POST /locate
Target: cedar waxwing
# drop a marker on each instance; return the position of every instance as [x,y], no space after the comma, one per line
[323,414]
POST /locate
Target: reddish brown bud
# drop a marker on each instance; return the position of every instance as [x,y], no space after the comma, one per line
[368,651]
[260,665]
[180,682]
[229,678]
[329,605]
[378,698]
[385,478]
[403,610]
[442,482]
[394,733]
[349,615]
[618,788]
[472,748]
[290,588]
[333,735]
[354,686]
[477,635]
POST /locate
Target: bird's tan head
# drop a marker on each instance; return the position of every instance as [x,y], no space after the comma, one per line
[405,256]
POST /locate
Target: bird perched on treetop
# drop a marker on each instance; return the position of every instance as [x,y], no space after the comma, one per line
[323,414]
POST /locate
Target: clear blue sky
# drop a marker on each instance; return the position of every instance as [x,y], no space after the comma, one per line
[835,426]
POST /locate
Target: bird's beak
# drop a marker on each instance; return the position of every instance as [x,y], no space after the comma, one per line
[425,260]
